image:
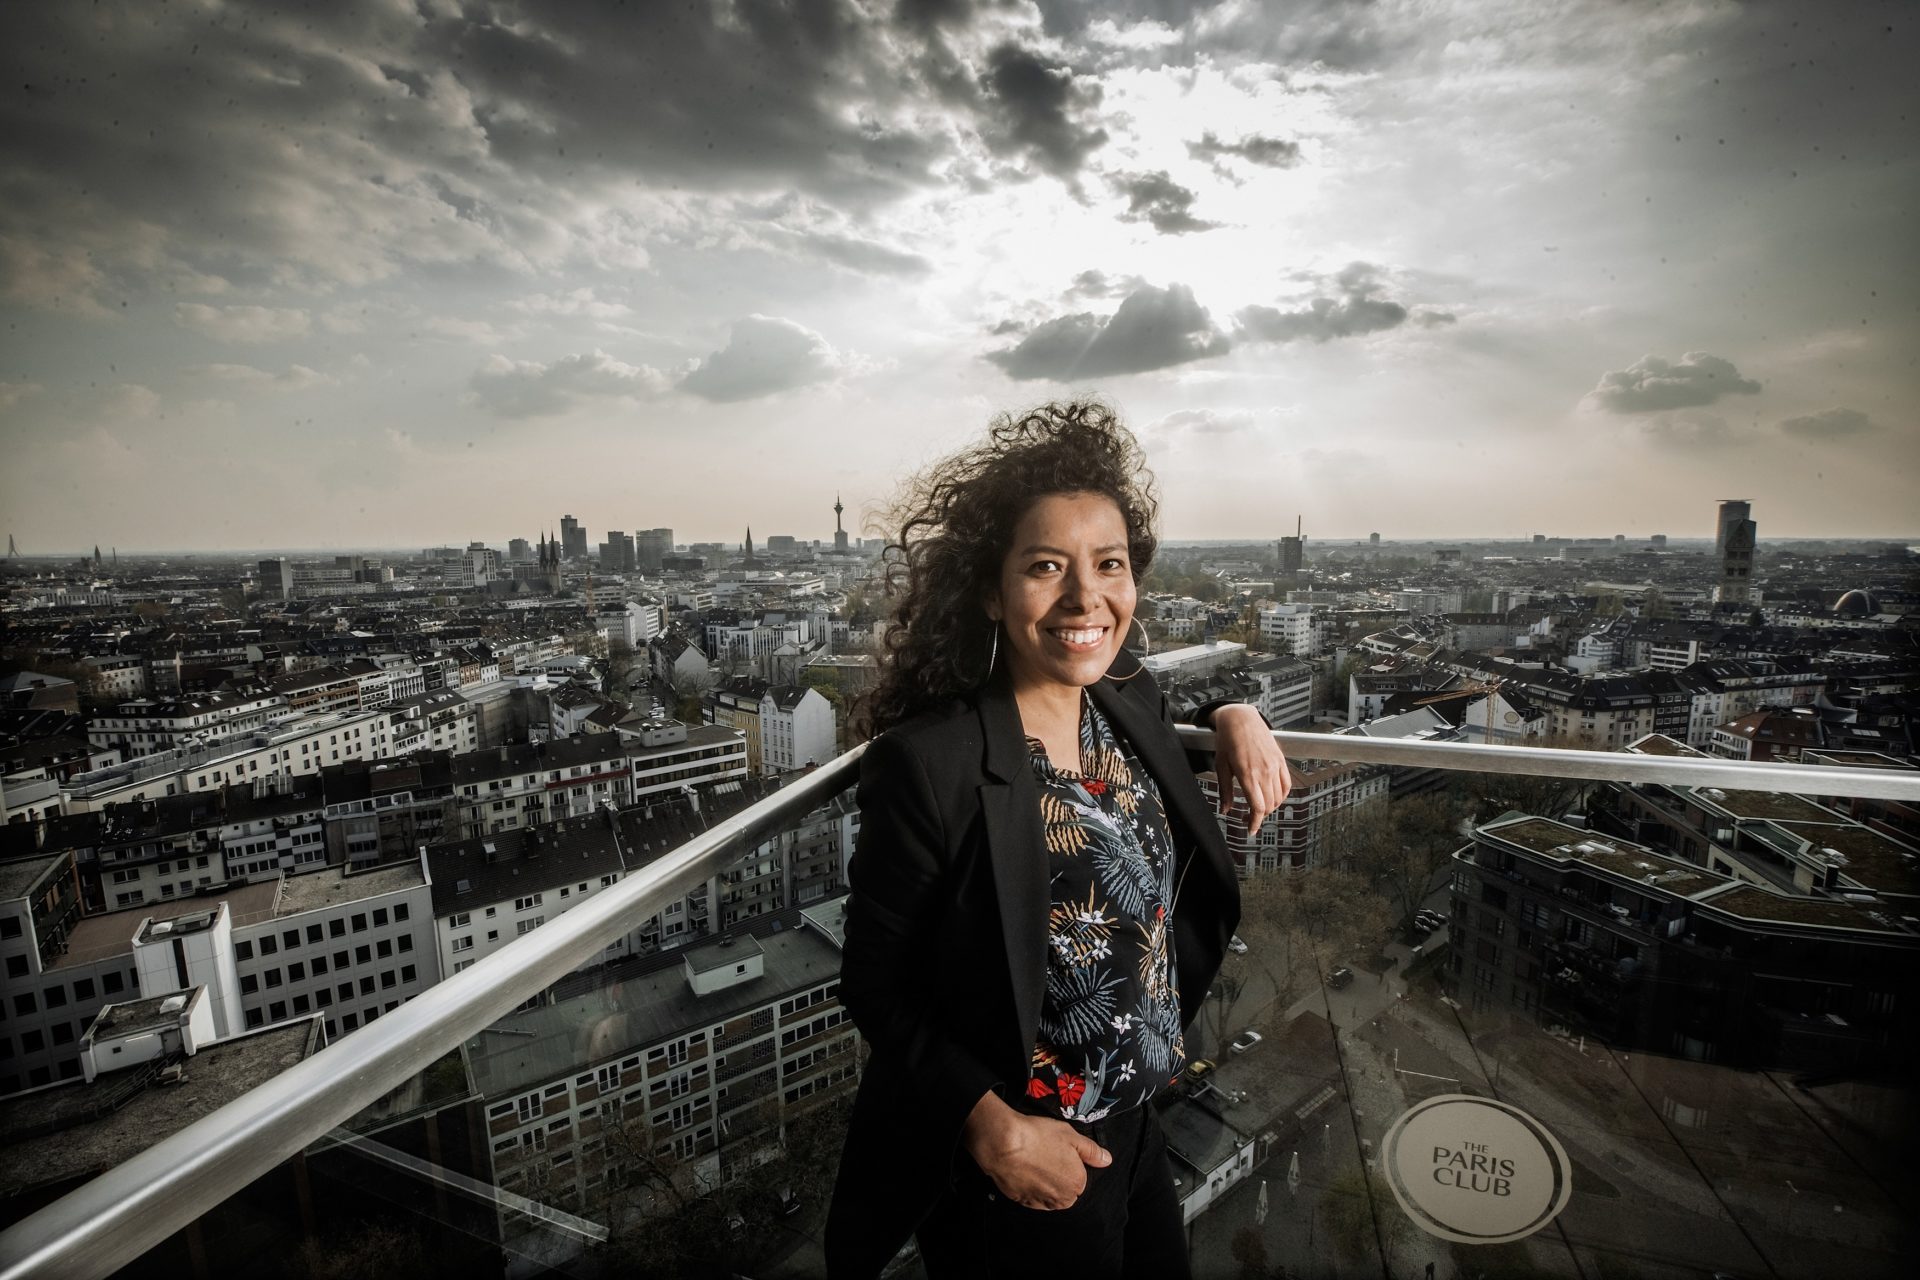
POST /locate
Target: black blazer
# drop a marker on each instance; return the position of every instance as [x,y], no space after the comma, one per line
[944,963]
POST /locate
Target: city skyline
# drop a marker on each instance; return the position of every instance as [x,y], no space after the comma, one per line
[1455,272]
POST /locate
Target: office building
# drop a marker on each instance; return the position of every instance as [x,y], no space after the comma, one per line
[1733,545]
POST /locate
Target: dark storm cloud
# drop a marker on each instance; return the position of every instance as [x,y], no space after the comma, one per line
[1038,107]
[1156,198]
[1353,309]
[927,16]
[1828,424]
[1255,148]
[1652,384]
[764,355]
[1153,329]
[348,141]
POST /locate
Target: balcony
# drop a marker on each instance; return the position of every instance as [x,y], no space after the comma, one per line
[1686,1157]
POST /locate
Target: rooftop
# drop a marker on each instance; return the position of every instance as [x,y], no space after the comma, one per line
[1870,859]
[1750,903]
[117,1020]
[649,1004]
[105,936]
[1774,806]
[1858,760]
[20,875]
[87,1145]
[336,888]
[1622,858]
[1659,744]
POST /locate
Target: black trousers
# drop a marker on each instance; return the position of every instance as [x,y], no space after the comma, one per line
[1125,1224]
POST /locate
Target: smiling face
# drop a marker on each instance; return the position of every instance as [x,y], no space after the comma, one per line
[1066,593]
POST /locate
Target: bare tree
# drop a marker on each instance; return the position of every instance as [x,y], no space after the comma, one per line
[1419,836]
[1496,793]
[1322,919]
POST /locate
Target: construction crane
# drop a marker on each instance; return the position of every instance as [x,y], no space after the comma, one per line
[1488,688]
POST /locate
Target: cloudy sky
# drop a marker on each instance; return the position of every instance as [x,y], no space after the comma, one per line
[399,272]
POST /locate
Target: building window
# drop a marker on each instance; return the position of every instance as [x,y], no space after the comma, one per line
[528,926]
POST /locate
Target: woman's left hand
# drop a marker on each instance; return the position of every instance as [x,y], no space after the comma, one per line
[1246,756]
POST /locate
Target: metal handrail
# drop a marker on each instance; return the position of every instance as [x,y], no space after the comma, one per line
[113,1219]
[1595,766]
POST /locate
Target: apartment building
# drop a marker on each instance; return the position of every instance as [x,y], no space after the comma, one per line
[688,1063]
[796,729]
[381,810]
[146,851]
[443,720]
[150,727]
[1618,940]
[517,786]
[291,748]
[1726,689]
[1327,801]
[492,889]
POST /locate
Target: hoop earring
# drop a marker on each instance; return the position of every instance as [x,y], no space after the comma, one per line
[993,654]
[1146,642]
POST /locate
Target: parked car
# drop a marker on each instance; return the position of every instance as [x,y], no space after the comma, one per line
[1340,977]
[1197,1069]
[1236,946]
[1247,1040]
[1432,919]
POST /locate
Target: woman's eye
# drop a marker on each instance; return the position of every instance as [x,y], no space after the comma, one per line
[1044,566]
[1110,565]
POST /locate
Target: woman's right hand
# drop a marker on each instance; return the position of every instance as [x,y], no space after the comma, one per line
[1032,1160]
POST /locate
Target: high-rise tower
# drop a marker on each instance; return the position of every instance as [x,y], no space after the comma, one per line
[1291,550]
[839,533]
[573,538]
[1733,546]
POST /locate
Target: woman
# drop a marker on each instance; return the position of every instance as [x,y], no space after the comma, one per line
[1040,893]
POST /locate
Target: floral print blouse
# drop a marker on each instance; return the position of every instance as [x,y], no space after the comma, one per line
[1110,1034]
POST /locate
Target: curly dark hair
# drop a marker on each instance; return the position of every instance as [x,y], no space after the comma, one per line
[951,528]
